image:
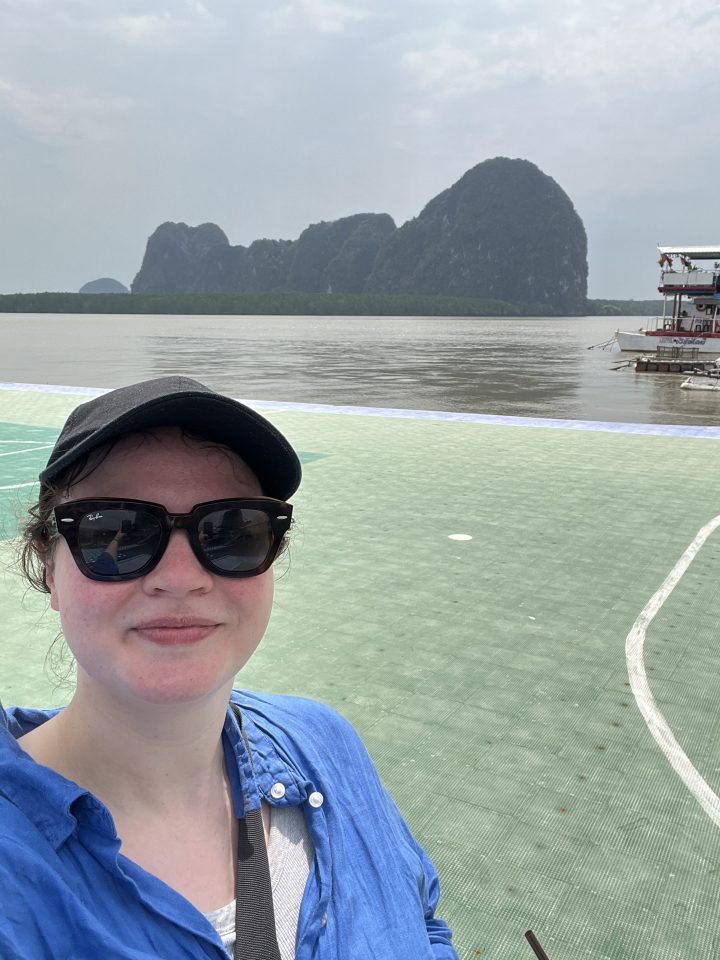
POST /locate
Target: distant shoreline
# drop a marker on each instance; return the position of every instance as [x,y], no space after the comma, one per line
[302,304]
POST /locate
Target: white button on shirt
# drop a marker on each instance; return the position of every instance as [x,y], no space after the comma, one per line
[278,791]
[316,799]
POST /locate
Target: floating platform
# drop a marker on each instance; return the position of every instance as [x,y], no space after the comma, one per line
[675,360]
[654,364]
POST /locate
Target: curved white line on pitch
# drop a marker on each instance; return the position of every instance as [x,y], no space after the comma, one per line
[17,486]
[655,721]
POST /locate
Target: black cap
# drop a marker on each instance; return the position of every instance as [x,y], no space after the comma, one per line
[179,401]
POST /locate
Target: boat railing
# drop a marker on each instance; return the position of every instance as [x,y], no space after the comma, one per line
[658,323]
[688,278]
[684,325]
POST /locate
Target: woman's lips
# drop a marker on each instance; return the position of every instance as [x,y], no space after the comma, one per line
[168,633]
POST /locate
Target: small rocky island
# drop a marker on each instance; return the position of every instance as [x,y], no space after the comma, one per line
[103,285]
[504,231]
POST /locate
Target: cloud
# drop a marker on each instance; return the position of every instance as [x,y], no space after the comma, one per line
[449,71]
[160,29]
[569,41]
[61,115]
[324,16]
[147,28]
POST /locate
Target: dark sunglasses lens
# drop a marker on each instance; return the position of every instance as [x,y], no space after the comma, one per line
[236,539]
[118,542]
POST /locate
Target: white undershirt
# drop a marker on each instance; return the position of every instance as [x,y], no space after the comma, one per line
[290,853]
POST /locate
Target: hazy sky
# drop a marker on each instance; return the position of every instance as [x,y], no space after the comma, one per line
[265,117]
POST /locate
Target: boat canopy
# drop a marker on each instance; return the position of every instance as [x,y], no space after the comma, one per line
[694,253]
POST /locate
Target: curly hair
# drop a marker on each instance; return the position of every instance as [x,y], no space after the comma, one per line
[37,538]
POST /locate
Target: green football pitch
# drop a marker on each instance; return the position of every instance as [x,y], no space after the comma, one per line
[481,600]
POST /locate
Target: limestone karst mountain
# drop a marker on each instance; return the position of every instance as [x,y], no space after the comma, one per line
[504,231]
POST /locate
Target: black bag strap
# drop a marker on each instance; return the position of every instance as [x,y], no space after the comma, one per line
[255,935]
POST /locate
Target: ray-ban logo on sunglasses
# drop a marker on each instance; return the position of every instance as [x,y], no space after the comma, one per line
[94,516]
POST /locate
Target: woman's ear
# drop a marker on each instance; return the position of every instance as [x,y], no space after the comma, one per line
[46,555]
[50,581]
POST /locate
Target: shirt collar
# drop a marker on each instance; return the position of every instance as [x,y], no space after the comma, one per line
[263,767]
[271,765]
[44,797]
[56,806]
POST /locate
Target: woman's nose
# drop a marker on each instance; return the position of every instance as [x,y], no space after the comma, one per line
[179,570]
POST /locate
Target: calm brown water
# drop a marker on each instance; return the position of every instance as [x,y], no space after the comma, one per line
[536,368]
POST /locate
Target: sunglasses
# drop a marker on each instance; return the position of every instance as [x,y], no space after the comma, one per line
[115,540]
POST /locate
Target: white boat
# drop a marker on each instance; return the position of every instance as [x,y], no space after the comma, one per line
[701,383]
[691,312]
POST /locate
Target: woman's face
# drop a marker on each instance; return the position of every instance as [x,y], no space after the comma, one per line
[179,633]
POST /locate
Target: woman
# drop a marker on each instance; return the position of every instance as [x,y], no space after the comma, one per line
[131,819]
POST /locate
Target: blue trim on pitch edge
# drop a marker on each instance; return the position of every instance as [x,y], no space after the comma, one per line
[53,388]
[658,429]
[606,426]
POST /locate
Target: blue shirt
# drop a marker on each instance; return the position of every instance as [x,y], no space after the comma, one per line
[66,891]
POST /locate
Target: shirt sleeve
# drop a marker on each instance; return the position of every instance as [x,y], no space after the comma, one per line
[438,931]
[20,933]
[9,949]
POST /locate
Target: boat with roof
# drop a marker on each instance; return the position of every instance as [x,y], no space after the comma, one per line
[691,303]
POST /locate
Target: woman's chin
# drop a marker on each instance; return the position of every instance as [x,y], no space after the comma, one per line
[168,686]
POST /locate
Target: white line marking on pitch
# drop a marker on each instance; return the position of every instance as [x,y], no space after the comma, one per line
[16,486]
[655,721]
[14,453]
